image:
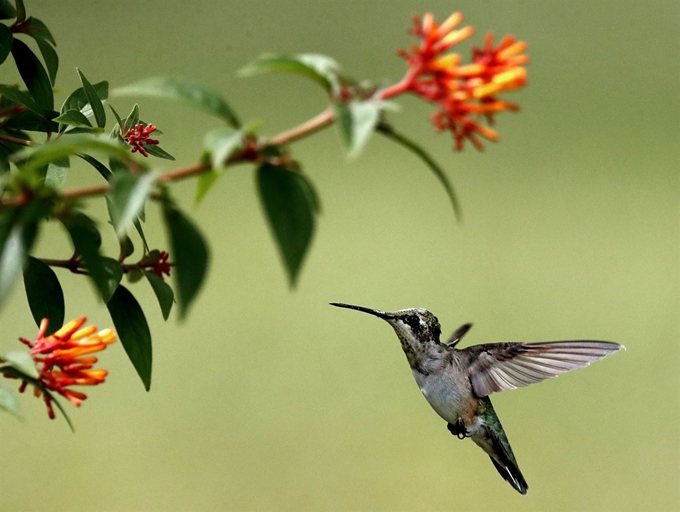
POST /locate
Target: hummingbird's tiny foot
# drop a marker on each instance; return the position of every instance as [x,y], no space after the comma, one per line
[458,429]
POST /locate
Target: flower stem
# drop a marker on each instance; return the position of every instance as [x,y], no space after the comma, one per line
[16,140]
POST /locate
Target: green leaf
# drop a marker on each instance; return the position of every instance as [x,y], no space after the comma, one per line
[163,292]
[103,170]
[57,171]
[132,119]
[204,183]
[389,132]
[20,98]
[179,90]
[16,240]
[73,118]
[158,152]
[37,156]
[126,198]
[114,272]
[357,121]
[86,241]
[21,10]
[133,331]
[119,122]
[37,30]
[289,207]
[318,68]
[6,39]
[7,10]
[140,231]
[93,100]
[45,297]
[222,143]
[33,74]
[50,57]
[23,362]
[190,254]
[9,402]
[77,100]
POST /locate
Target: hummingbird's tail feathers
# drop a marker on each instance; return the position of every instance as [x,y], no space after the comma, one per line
[501,366]
[490,436]
[512,475]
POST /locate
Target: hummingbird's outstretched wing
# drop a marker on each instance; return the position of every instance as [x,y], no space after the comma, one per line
[501,366]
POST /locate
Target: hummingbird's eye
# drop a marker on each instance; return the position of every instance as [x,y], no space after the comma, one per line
[414,323]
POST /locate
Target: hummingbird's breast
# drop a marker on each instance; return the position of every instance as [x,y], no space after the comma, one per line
[449,393]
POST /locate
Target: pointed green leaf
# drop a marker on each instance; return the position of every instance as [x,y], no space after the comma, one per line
[77,100]
[289,208]
[20,98]
[73,118]
[23,362]
[318,68]
[389,132]
[39,155]
[50,57]
[179,90]
[221,143]
[163,292]
[204,183]
[57,171]
[356,122]
[86,241]
[6,39]
[33,74]
[127,196]
[190,254]
[93,100]
[158,152]
[140,231]
[9,402]
[133,331]
[7,10]
[45,297]
[16,240]
[21,10]
[132,119]
[114,275]
[101,168]
[37,30]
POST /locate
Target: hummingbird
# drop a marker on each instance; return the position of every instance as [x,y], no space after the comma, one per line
[457,382]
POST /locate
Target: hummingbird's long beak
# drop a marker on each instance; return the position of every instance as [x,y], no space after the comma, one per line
[375,312]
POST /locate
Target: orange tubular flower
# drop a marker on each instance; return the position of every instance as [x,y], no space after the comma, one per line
[63,359]
[465,94]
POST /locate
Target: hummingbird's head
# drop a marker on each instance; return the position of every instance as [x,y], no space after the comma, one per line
[415,326]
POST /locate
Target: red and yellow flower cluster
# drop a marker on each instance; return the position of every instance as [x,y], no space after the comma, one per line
[465,94]
[138,137]
[63,359]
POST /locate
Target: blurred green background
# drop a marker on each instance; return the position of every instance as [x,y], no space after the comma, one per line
[269,399]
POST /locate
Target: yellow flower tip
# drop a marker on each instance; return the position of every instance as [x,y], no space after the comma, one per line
[428,22]
[84,333]
[513,49]
[487,132]
[470,70]
[96,374]
[447,61]
[448,24]
[68,329]
[514,77]
[44,323]
[455,37]
[486,90]
[107,336]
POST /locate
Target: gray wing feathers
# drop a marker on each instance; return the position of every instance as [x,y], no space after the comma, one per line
[501,366]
